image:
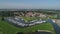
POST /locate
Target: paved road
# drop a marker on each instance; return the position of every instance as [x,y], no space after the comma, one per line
[58,22]
[56,27]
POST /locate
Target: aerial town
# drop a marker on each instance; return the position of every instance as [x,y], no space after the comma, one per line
[35,20]
[29,16]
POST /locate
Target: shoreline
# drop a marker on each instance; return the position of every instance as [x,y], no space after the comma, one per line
[57,21]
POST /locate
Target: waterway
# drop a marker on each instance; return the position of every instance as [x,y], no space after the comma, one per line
[56,27]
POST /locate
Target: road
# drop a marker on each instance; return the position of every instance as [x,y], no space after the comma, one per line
[56,27]
[58,22]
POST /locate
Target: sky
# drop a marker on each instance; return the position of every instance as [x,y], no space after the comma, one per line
[22,4]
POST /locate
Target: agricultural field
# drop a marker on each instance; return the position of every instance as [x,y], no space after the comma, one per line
[11,29]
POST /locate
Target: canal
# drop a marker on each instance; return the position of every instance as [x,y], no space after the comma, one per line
[56,27]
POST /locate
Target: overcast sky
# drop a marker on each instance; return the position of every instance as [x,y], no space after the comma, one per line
[48,4]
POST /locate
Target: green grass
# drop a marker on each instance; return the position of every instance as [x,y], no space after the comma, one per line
[27,19]
[10,29]
[1,32]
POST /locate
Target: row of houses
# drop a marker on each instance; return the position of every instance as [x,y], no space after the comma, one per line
[20,22]
[30,14]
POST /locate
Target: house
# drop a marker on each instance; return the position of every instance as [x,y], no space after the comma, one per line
[29,14]
[42,15]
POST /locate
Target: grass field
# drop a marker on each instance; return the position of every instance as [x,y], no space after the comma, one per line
[27,19]
[1,32]
[10,29]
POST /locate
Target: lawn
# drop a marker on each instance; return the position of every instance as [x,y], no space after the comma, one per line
[1,32]
[27,19]
[11,29]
